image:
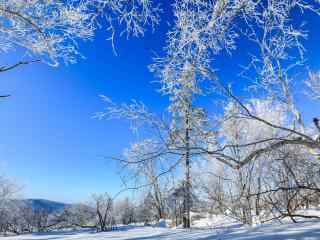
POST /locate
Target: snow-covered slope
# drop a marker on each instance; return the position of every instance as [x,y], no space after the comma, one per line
[214,228]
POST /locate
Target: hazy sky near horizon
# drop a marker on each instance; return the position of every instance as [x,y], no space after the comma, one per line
[50,142]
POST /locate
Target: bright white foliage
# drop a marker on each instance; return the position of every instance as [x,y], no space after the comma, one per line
[50,30]
[313,84]
[133,15]
[238,128]
[7,189]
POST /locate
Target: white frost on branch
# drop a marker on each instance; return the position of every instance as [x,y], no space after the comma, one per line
[134,16]
[313,84]
[50,30]
[136,112]
[238,128]
[46,29]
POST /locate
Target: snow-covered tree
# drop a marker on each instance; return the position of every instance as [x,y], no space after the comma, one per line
[103,204]
[249,129]
[78,215]
[126,211]
[174,144]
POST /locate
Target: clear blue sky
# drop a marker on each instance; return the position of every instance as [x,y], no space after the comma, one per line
[49,142]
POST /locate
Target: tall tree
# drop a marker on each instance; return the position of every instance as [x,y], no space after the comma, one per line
[203,30]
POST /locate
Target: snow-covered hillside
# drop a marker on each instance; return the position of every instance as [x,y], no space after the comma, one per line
[215,229]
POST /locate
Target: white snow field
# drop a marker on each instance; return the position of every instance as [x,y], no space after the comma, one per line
[203,229]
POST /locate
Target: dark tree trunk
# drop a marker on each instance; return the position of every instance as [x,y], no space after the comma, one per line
[258,197]
[187,187]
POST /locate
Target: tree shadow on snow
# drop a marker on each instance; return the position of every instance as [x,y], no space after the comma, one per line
[302,231]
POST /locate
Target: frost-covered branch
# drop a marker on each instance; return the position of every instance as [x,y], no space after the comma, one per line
[313,84]
[46,29]
[50,30]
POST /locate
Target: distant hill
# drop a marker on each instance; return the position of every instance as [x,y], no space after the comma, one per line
[47,205]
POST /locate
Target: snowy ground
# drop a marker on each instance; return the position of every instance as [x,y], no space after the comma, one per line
[307,230]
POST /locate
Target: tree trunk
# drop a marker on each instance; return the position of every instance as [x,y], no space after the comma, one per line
[258,197]
[187,187]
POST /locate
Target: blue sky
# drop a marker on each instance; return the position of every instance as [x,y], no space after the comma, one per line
[51,144]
